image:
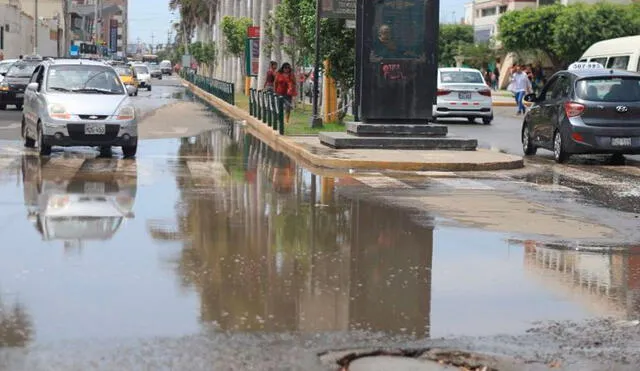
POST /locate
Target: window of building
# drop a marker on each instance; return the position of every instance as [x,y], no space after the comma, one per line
[487,12]
[503,9]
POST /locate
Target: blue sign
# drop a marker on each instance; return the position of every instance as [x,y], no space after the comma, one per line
[73,50]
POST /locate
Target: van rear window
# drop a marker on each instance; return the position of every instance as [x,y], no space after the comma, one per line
[612,89]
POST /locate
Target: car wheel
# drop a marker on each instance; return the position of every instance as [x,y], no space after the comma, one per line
[527,145]
[129,151]
[487,120]
[559,152]
[28,142]
[19,107]
[105,151]
[136,93]
[3,107]
[149,88]
[45,149]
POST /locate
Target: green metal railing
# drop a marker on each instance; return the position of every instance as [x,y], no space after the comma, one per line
[268,108]
[221,89]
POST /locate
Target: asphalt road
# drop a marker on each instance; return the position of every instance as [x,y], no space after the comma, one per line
[209,251]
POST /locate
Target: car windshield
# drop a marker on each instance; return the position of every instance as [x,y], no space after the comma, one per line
[609,89]
[154,67]
[141,69]
[21,69]
[465,77]
[84,79]
[123,71]
[165,64]
[4,66]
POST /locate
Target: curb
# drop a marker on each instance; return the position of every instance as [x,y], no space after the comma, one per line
[301,154]
[508,104]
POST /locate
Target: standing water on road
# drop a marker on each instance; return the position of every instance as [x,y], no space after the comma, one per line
[218,234]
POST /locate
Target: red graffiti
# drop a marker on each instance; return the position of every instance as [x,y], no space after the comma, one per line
[392,72]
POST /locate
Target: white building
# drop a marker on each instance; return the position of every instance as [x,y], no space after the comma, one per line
[17,32]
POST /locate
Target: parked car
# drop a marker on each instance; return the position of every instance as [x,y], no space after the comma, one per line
[4,67]
[463,93]
[128,77]
[143,75]
[166,67]
[14,83]
[78,102]
[583,111]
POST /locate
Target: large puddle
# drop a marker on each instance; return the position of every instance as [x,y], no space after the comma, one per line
[218,232]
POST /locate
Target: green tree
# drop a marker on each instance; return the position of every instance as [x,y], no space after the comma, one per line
[235,34]
[563,33]
[478,55]
[588,24]
[531,29]
[450,39]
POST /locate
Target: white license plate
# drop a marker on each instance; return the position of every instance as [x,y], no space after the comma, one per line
[466,95]
[93,188]
[94,129]
[621,142]
[20,95]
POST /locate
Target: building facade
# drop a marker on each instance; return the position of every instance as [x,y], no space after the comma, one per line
[18,32]
[110,28]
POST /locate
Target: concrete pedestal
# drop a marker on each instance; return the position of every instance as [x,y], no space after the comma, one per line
[396,136]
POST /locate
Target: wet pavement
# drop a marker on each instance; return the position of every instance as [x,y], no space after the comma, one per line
[212,251]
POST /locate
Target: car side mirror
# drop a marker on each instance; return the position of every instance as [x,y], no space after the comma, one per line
[530,98]
[131,89]
[33,86]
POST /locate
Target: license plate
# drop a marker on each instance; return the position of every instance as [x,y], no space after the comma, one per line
[20,95]
[94,129]
[621,142]
[466,95]
[92,187]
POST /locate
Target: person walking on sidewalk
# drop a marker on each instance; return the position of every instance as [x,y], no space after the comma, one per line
[285,86]
[520,85]
[271,76]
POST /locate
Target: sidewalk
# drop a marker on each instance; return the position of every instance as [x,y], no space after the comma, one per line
[309,151]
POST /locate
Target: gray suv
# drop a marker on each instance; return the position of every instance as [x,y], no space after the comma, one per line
[78,102]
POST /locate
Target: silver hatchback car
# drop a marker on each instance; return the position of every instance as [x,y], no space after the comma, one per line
[77,102]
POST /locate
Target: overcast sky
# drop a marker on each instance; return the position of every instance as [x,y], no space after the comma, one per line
[152,17]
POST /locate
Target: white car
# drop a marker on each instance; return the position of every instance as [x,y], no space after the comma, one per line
[143,75]
[463,93]
[4,67]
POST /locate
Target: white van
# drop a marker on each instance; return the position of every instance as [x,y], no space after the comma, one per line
[622,53]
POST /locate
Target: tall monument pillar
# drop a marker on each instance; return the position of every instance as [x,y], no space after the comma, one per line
[396,79]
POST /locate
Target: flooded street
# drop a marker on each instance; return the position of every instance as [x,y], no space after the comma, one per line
[212,251]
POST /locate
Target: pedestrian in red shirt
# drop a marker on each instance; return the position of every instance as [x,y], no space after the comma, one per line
[285,86]
[271,76]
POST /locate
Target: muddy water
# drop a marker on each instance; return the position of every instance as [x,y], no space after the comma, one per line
[218,232]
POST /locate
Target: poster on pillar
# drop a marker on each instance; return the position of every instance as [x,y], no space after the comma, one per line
[113,35]
[397,41]
[252,56]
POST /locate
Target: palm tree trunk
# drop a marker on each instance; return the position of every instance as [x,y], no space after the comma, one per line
[263,61]
[276,52]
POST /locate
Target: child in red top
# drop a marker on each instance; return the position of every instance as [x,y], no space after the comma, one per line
[285,86]
[271,76]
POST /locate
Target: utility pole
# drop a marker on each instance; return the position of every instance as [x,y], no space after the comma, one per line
[35,28]
[316,120]
[152,41]
[95,21]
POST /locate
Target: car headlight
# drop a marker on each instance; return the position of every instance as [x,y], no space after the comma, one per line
[126,113]
[58,111]
[4,86]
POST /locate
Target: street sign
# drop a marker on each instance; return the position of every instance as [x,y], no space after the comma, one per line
[113,35]
[88,48]
[253,32]
[74,50]
[350,23]
[345,9]
[252,56]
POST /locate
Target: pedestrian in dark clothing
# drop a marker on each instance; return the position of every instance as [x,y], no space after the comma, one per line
[271,76]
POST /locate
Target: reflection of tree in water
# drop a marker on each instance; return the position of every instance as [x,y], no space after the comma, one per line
[16,329]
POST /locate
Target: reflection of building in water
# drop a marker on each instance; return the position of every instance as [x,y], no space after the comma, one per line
[608,284]
[263,259]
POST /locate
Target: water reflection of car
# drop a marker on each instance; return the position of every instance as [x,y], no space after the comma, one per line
[88,204]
